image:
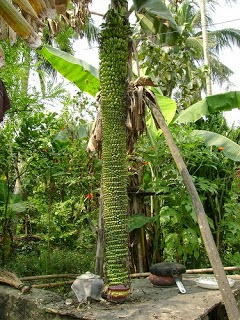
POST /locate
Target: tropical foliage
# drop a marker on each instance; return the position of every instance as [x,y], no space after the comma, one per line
[50,186]
[45,189]
[174,233]
[177,61]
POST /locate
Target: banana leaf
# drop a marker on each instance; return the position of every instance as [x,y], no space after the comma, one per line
[154,11]
[3,191]
[230,149]
[18,207]
[168,108]
[209,105]
[82,74]
[167,105]
[137,221]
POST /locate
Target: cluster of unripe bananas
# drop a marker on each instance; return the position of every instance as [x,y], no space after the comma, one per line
[114,55]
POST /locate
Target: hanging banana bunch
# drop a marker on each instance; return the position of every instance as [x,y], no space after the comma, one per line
[114,56]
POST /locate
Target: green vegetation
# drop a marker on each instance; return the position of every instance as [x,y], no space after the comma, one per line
[50,186]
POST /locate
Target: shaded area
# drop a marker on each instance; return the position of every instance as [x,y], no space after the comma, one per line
[4,100]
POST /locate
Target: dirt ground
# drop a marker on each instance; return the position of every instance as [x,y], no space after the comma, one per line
[149,302]
[146,302]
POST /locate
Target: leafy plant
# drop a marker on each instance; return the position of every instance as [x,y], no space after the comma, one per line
[174,231]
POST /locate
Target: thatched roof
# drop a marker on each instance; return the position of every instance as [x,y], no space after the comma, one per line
[26,18]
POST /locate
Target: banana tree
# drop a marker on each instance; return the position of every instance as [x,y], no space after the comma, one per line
[113,79]
[115,54]
[208,105]
[51,55]
[75,70]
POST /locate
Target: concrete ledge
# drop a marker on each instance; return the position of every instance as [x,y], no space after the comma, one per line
[16,306]
[145,303]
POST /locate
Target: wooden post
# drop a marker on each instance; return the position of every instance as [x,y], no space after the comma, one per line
[206,47]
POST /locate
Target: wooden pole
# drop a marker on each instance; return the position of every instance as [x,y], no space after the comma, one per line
[191,271]
[206,47]
[209,270]
[52,285]
[213,255]
[50,276]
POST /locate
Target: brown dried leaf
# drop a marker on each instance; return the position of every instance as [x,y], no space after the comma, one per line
[144,81]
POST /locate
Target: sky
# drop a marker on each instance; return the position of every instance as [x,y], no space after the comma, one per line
[229,17]
[225,16]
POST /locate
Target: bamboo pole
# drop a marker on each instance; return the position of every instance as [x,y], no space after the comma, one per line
[209,270]
[49,276]
[51,285]
[213,255]
[133,275]
[190,271]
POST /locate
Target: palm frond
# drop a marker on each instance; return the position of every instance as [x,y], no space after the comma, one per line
[230,1]
[211,41]
[225,38]
[220,72]
[90,31]
[196,21]
[196,44]
[211,5]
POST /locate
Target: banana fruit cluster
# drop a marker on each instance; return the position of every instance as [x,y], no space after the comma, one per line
[114,56]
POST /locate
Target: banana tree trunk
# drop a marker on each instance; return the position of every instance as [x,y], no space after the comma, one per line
[100,240]
[6,250]
[114,56]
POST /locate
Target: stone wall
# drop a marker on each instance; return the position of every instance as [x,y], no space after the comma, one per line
[33,306]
